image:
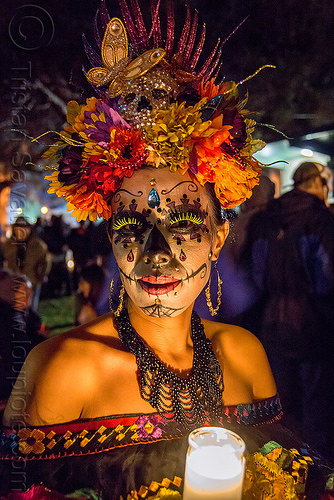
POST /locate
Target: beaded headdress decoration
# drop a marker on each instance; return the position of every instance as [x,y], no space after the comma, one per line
[155,107]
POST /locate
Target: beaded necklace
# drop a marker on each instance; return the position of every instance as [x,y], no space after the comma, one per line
[193,400]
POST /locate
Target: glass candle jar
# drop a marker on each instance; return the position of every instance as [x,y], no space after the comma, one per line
[215,465]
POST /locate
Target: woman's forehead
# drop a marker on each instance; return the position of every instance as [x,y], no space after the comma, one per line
[169,185]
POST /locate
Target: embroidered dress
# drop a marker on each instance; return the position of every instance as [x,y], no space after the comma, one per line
[114,455]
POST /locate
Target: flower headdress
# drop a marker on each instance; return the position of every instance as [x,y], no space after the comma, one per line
[155,107]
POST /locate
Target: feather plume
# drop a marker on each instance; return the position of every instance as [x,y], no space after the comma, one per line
[198,50]
[170,29]
[185,33]
[129,24]
[156,28]
[139,22]
[191,41]
[204,68]
[93,57]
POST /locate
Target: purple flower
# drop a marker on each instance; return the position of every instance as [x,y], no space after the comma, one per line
[148,427]
[70,165]
[238,132]
[100,134]
[100,131]
[111,117]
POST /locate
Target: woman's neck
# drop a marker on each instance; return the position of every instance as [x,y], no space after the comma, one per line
[169,338]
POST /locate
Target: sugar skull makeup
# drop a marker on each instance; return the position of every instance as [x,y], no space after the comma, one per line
[163,253]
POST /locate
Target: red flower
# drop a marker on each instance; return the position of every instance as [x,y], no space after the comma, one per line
[130,148]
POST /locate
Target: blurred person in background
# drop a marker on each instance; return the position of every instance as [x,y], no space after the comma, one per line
[239,292]
[89,295]
[54,235]
[289,254]
[81,240]
[39,227]
[21,328]
[25,253]
[263,193]
[327,180]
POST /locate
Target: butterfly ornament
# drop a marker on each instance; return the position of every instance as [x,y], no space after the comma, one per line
[117,66]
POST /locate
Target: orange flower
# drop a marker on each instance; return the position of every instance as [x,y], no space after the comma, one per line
[234,179]
[234,183]
[210,138]
[208,161]
[210,90]
[90,201]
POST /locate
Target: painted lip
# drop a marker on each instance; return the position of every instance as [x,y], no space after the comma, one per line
[158,285]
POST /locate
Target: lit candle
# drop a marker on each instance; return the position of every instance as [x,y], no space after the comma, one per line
[215,465]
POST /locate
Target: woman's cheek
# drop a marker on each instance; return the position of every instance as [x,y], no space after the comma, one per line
[127,256]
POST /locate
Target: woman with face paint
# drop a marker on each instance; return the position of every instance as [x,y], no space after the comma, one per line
[159,156]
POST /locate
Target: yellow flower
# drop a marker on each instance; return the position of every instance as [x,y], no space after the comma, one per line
[31,441]
[73,110]
[170,131]
[79,214]
[167,494]
[58,187]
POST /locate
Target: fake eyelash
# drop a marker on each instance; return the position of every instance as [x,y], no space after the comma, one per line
[185,216]
[133,221]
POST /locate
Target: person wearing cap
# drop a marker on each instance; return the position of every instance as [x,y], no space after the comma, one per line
[25,253]
[312,177]
[289,255]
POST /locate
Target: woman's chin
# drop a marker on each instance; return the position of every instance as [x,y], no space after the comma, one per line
[160,305]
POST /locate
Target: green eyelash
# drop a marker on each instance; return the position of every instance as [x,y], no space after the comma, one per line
[126,221]
[186,216]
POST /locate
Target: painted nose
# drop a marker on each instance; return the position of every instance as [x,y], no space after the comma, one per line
[157,250]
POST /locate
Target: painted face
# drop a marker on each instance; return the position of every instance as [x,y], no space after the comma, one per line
[162,234]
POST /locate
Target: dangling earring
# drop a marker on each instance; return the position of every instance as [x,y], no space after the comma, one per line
[110,295]
[121,301]
[214,310]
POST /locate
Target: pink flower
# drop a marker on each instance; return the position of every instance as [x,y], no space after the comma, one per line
[148,427]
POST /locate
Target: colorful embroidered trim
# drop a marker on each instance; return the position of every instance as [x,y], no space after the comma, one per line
[97,435]
[275,472]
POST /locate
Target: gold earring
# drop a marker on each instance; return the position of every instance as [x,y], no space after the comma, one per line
[214,310]
[110,295]
[121,301]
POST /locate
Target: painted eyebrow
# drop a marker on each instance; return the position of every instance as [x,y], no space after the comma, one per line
[192,187]
[117,196]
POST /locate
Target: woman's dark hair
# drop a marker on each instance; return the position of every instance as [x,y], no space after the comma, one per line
[218,212]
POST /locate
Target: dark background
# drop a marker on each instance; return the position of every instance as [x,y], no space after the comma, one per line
[45,36]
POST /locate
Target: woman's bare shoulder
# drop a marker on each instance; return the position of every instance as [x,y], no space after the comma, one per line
[61,373]
[234,342]
[242,355]
[228,334]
